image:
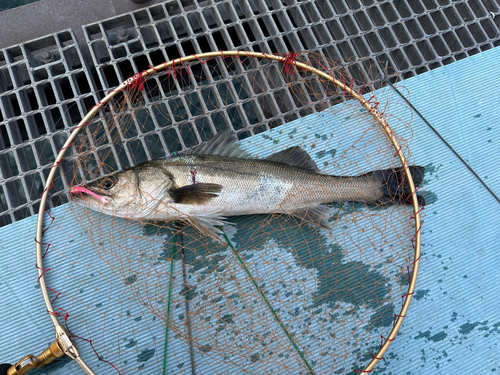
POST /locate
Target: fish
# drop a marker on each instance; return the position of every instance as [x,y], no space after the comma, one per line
[217,179]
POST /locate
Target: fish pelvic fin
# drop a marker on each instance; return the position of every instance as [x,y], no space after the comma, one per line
[294,156]
[394,187]
[315,215]
[207,223]
[195,194]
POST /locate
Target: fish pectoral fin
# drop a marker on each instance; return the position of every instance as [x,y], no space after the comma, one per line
[315,215]
[207,222]
[195,194]
[296,157]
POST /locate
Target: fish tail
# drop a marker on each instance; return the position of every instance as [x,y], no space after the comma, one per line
[395,188]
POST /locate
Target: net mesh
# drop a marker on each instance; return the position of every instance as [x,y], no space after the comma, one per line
[275,294]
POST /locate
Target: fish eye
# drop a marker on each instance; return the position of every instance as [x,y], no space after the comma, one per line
[107,183]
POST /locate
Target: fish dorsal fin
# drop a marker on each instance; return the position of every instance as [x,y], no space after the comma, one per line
[296,157]
[222,144]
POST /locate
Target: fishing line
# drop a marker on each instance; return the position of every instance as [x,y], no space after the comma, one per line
[187,290]
[271,309]
[169,300]
[445,142]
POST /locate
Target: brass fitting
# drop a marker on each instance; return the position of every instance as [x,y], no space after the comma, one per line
[30,361]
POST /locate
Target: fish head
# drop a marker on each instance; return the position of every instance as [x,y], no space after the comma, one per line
[133,194]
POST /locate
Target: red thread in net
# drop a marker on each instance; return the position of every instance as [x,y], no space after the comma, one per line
[374,108]
[137,82]
[57,293]
[411,265]
[421,208]
[45,270]
[200,60]
[415,236]
[65,316]
[396,316]
[412,193]
[368,101]
[397,152]
[95,351]
[289,61]
[375,357]
[153,68]
[48,188]
[56,164]
[77,127]
[363,371]
[407,294]
[172,70]
[343,83]
[382,339]
[184,66]
[348,88]
[68,146]
[52,218]
[43,243]
[97,105]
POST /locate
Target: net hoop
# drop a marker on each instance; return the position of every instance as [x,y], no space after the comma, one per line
[64,338]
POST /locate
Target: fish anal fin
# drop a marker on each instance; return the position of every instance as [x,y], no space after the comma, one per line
[296,157]
[314,214]
[195,194]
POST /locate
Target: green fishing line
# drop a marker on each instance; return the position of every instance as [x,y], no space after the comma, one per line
[168,304]
[245,268]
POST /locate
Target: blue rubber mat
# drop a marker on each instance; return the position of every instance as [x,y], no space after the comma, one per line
[453,324]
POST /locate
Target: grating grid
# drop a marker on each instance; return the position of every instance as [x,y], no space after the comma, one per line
[46,87]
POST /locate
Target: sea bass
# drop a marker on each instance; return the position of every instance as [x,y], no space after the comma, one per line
[218,179]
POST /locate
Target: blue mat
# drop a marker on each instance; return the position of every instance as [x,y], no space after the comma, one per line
[453,324]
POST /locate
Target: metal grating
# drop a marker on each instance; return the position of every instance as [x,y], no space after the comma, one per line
[45,86]
[45,89]
[411,36]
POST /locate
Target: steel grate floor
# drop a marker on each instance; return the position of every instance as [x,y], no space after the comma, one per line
[46,85]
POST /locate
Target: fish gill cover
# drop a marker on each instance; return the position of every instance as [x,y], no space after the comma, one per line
[271,292]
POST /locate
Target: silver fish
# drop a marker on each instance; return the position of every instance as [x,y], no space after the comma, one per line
[218,179]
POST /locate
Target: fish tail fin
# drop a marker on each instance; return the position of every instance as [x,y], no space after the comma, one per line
[395,188]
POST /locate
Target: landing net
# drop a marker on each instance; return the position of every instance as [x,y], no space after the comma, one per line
[277,295]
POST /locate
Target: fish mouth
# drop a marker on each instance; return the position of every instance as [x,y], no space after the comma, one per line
[81,193]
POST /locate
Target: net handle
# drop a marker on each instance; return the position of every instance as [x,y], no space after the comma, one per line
[72,350]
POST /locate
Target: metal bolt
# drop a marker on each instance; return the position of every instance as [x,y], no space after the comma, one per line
[122,35]
[47,57]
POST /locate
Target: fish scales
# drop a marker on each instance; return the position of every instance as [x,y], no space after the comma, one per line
[253,186]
